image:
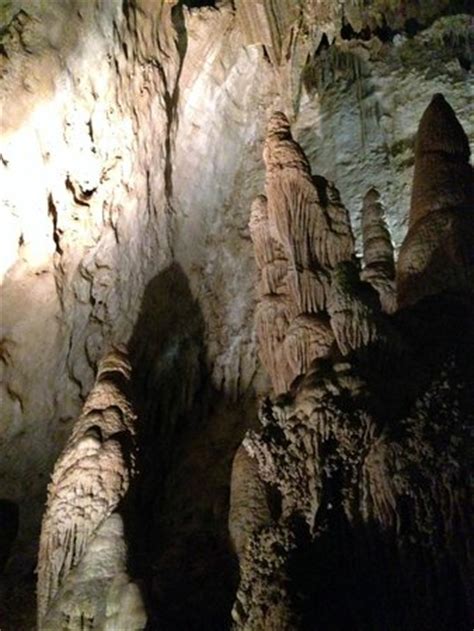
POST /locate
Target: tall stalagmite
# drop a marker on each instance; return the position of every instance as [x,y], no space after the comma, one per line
[438,251]
[308,220]
[362,469]
[378,258]
[301,232]
[90,479]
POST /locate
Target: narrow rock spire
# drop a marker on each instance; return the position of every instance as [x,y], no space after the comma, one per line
[301,231]
[438,252]
[443,175]
[378,259]
[301,212]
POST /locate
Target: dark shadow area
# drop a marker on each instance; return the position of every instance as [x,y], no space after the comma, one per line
[17,576]
[199,3]
[9,523]
[354,576]
[176,514]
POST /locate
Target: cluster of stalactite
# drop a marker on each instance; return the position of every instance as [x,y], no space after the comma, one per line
[349,507]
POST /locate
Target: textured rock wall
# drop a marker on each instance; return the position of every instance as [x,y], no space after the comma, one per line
[85,214]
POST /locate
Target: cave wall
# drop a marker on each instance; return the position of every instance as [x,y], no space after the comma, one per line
[131,140]
[85,225]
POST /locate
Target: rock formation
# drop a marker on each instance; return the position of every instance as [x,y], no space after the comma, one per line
[130,149]
[378,258]
[301,232]
[82,550]
[249,510]
[307,219]
[353,308]
[438,251]
[362,465]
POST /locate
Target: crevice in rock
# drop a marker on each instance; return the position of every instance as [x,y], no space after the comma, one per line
[192,4]
[53,213]
[171,97]
[80,196]
[383,32]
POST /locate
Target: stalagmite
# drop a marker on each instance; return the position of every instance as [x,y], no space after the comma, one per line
[269,254]
[300,231]
[301,214]
[437,253]
[249,510]
[379,264]
[309,337]
[353,308]
[89,480]
[271,321]
[366,455]
[443,176]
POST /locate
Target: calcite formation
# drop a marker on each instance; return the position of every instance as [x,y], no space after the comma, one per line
[437,253]
[306,216]
[360,471]
[378,252]
[130,148]
[89,481]
[301,232]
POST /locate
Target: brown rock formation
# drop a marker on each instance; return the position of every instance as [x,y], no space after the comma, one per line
[365,459]
[249,510]
[269,254]
[309,337]
[353,310]
[379,264]
[90,478]
[437,253]
[271,321]
[301,215]
[301,232]
[443,177]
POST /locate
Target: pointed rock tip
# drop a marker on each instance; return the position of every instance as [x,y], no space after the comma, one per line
[372,196]
[440,131]
[278,122]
